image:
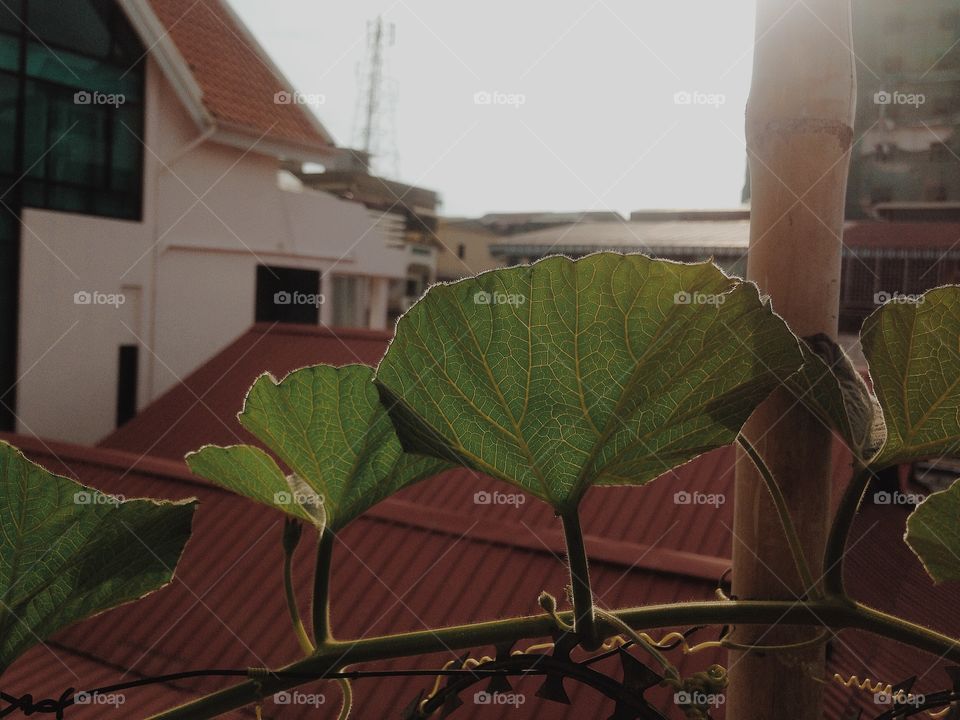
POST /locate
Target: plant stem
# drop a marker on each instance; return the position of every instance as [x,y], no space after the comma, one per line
[321,588]
[840,530]
[584,623]
[786,521]
[833,613]
[306,644]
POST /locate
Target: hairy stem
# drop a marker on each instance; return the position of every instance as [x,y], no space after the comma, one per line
[833,613]
[584,623]
[786,521]
[321,588]
[840,530]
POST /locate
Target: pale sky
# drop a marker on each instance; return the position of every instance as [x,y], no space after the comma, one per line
[582,112]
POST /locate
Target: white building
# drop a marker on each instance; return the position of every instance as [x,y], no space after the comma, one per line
[146,222]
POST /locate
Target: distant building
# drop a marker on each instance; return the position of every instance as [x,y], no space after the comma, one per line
[465,242]
[908,108]
[407,214]
[145,222]
[882,261]
[465,248]
[518,222]
[906,141]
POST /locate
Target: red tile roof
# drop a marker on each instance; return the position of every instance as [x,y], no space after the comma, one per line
[428,557]
[237,78]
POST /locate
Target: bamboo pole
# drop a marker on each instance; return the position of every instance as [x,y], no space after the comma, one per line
[799,131]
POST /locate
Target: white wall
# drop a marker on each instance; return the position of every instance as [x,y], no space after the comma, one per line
[211,215]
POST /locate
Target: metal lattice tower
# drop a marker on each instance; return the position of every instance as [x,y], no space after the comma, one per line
[374,132]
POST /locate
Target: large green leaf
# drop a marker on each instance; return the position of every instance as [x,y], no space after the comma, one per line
[913,349]
[68,552]
[829,385]
[564,374]
[933,532]
[327,425]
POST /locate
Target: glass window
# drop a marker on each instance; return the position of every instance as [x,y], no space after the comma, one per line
[83,80]
[11,13]
[8,123]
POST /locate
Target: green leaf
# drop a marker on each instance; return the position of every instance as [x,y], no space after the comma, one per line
[68,551]
[328,426]
[607,370]
[913,349]
[829,385]
[933,533]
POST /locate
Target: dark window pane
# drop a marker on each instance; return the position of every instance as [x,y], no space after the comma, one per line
[76,71]
[79,25]
[11,15]
[8,123]
[9,52]
[288,295]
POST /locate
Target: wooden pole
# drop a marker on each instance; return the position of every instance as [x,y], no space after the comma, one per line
[799,131]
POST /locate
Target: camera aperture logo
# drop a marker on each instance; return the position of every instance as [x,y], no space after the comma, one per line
[83,97]
[698,298]
[695,97]
[885,97]
[883,297]
[102,699]
[897,498]
[686,698]
[302,499]
[482,697]
[699,498]
[899,697]
[95,297]
[495,97]
[482,497]
[299,698]
[298,298]
[482,297]
[89,497]
[284,97]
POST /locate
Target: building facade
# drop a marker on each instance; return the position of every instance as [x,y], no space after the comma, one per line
[465,248]
[145,222]
[907,146]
